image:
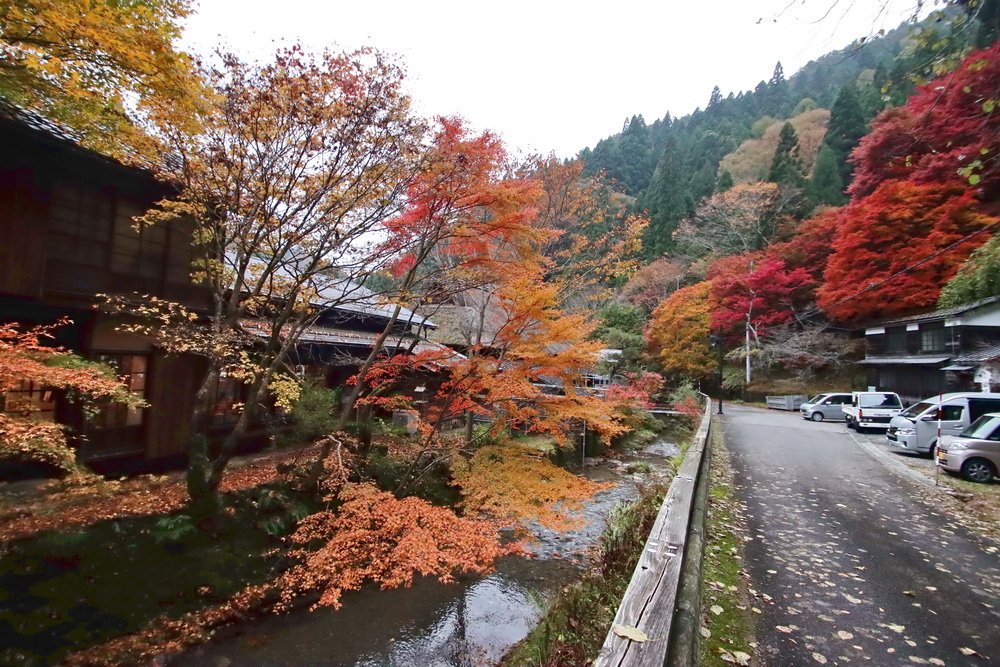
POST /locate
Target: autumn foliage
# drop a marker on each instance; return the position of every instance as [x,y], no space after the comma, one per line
[678,332]
[86,64]
[900,244]
[25,358]
[947,132]
[520,485]
[375,537]
[762,292]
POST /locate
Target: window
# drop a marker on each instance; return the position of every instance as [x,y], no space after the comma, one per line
[980,406]
[986,427]
[79,226]
[879,401]
[137,250]
[179,252]
[895,340]
[30,399]
[932,339]
[225,402]
[132,368]
[951,413]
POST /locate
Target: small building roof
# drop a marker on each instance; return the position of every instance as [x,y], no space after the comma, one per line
[907,361]
[979,356]
[942,313]
[317,335]
[458,325]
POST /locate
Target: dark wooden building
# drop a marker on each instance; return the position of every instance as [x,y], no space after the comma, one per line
[935,352]
[67,235]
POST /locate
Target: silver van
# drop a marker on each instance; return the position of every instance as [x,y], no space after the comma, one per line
[825,407]
[915,429]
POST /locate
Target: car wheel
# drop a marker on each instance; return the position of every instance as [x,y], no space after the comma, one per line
[933,450]
[978,470]
[816,416]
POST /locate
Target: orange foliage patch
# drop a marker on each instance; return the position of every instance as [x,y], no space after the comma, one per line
[678,332]
[375,537]
[512,483]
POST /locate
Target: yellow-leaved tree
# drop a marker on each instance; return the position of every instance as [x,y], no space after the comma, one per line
[678,332]
[97,65]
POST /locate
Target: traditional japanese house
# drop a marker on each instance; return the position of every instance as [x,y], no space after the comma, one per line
[67,235]
[940,351]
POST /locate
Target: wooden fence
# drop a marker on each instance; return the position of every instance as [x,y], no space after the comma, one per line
[651,599]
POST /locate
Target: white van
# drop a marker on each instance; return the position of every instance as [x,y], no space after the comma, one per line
[915,429]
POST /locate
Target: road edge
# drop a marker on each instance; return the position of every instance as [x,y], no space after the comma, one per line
[891,464]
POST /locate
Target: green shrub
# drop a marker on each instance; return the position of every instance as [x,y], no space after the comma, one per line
[174,529]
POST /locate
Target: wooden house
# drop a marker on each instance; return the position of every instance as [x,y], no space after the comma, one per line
[67,235]
[940,351]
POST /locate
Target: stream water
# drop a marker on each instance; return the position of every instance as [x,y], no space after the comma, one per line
[468,623]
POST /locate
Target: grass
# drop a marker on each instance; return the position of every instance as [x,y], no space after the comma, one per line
[727,618]
[541,442]
[980,501]
[62,591]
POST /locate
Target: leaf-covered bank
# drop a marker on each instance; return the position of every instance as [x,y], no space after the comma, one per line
[727,635]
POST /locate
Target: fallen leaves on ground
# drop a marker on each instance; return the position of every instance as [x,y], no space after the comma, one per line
[61,506]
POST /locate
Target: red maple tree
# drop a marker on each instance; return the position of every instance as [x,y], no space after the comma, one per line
[898,246]
[948,131]
[755,291]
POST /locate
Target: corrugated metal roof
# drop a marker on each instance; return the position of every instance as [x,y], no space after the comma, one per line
[942,313]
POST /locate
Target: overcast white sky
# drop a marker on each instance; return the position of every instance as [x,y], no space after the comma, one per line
[553,75]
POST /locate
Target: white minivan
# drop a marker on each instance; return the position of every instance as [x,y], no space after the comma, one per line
[915,429]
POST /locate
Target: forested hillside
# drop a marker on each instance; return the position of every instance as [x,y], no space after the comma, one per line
[859,188]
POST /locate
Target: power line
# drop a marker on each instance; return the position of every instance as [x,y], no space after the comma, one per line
[871,286]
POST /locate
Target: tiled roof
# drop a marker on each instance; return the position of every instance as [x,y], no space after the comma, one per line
[317,335]
[943,313]
[978,356]
[37,122]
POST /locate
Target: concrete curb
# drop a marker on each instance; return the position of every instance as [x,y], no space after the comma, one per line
[892,464]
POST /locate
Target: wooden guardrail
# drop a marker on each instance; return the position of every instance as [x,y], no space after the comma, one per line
[650,601]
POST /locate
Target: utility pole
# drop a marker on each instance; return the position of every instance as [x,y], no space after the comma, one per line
[747,351]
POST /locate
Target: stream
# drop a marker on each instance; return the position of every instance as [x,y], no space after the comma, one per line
[469,623]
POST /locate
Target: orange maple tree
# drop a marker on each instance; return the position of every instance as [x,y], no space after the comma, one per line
[375,537]
[594,238]
[25,358]
[515,483]
[678,332]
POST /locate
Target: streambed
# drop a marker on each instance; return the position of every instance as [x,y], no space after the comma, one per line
[471,622]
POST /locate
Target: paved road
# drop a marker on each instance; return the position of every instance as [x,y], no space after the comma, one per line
[848,565]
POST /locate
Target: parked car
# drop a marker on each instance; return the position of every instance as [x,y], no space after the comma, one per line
[872,409]
[825,406]
[915,429]
[975,453]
